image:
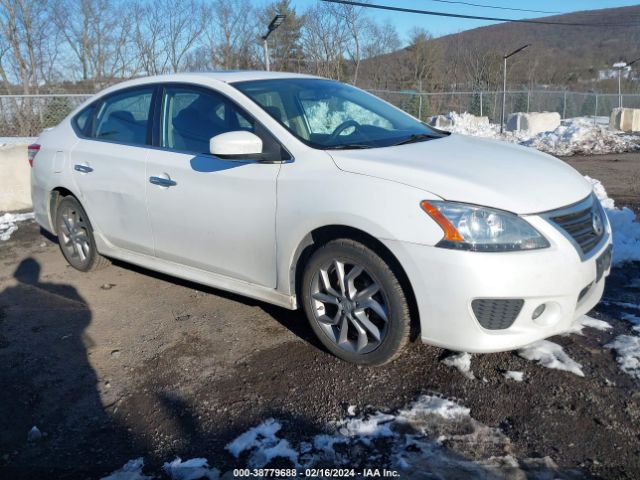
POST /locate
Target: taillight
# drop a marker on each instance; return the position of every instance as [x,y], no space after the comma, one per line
[31,152]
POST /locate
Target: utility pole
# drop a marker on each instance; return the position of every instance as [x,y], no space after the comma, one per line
[275,23]
[621,66]
[504,83]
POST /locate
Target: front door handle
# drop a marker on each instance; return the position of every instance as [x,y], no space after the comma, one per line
[79,167]
[162,181]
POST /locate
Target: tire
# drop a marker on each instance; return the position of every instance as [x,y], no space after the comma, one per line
[369,302]
[75,237]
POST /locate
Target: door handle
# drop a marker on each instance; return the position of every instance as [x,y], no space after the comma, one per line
[161,181]
[78,167]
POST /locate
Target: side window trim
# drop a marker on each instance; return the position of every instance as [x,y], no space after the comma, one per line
[159,110]
[97,106]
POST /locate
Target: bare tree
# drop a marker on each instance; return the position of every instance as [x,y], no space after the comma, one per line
[357,26]
[98,35]
[231,34]
[24,32]
[420,59]
[324,41]
[166,31]
[380,42]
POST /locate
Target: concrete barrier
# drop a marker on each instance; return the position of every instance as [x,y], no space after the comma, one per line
[448,121]
[15,178]
[625,119]
[534,122]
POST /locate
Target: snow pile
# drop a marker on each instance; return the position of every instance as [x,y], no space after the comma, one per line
[626,229]
[581,136]
[573,136]
[513,375]
[466,124]
[627,348]
[194,469]
[9,221]
[461,362]
[132,470]
[551,355]
[586,321]
[263,445]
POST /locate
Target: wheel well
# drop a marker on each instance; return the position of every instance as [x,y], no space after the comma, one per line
[57,194]
[321,236]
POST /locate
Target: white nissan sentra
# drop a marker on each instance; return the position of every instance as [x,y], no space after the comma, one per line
[309,193]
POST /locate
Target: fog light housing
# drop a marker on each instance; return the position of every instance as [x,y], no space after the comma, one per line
[538,311]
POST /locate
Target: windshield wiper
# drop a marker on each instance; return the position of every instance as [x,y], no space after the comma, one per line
[347,146]
[418,137]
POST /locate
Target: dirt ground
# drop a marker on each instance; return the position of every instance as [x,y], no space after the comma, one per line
[124,362]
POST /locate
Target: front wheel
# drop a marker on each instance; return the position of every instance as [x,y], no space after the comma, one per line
[75,237]
[355,303]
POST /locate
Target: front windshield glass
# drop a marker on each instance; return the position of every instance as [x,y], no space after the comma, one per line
[330,115]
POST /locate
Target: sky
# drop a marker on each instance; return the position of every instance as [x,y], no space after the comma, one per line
[438,26]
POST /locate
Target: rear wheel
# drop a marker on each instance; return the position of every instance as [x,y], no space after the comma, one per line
[355,304]
[75,237]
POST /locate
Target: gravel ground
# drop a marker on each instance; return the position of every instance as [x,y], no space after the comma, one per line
[125,362]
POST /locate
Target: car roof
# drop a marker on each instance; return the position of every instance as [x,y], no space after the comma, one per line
[226,76]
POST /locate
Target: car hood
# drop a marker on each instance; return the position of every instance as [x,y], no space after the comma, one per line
[472,170]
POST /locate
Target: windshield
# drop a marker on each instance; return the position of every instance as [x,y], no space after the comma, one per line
[330,115]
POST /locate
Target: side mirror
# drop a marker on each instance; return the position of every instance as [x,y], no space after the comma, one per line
[240,145]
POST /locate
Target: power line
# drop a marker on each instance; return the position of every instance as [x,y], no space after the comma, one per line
[495,7]
[477,17]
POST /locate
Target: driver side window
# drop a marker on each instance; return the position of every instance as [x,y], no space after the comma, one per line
[190,117]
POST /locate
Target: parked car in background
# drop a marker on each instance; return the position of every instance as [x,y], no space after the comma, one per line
[309,193]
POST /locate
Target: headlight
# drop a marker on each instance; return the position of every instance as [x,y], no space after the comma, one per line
[480,229]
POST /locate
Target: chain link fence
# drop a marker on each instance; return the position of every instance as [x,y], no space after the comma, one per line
[28,115]
[489,104]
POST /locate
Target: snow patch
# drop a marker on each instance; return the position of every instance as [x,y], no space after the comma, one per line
[132,470]
[432,434]
[10,141]
[9,223]
[586,321]
[263,445]
[461,362]
[627,349]
[513,375]
[194,469]
[551,355]
[626,229]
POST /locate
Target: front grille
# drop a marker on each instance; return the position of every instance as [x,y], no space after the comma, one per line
[585,225]
[495,313]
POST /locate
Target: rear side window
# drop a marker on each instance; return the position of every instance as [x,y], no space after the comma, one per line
[83,120]
[124,117]
[191,117]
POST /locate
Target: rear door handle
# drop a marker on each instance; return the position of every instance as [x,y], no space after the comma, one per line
[162,181]
[78,167]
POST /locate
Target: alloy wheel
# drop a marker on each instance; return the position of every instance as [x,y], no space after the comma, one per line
[350,306]
[74,237]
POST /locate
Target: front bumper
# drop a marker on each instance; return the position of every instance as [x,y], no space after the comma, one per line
[445,282]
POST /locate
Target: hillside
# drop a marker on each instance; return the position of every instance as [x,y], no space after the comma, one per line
[559,55]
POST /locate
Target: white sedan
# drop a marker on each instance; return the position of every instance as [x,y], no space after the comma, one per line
[309,193]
